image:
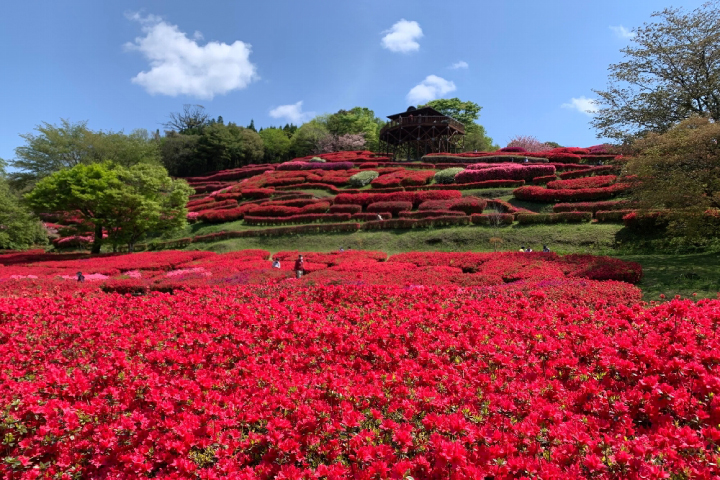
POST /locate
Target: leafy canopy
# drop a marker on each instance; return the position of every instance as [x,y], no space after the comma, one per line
[55,147]
[680,171]
[670,71]
[128,202]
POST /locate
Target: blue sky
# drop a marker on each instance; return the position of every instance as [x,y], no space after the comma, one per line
[127,65]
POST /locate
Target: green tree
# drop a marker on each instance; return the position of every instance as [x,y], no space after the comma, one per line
[55,147]
[179,154]
[149,201]
[477,139]
[670,71]
[276,144]
[18,227]
[466,113]
[104,194]
[305,140]
[228,146]
[358,120]
[680,172]
[252,125]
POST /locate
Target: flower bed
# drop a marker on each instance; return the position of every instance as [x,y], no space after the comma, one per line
[586,182]
[540,194]
[415,197]
[294,219]
[591,206]
[508,172]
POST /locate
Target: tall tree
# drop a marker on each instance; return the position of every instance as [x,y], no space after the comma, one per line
[148,201]
[671,71]
[18,227]
[179,154]
[306,139]
[126,201]
[276,144]
[55,147]
[680,173]
[252,125]
[191,120]
[228,146]
[466,113]
[357,121]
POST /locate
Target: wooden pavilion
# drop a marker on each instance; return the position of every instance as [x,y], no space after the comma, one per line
[419,131]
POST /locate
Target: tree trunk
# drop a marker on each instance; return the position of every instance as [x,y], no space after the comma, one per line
[131,247]
[97,242]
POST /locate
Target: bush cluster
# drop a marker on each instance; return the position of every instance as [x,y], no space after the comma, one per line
[363,178]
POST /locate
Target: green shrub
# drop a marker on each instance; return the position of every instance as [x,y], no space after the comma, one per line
[363,178]
[447,175]
[317,160]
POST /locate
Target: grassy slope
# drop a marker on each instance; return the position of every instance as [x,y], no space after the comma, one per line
[562,238]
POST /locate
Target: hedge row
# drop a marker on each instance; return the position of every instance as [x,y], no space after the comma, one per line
[597,181]
[544,179]
[403,178]
[393,207]
[294,219]
[492,219]
[588,172]
[415,197]
[431,213]
[472,186]
[406,223]
[504,173]
[591,206]
[612,215]
[345,209]
[371,217]
[539,194]
[283,211]
[569,217]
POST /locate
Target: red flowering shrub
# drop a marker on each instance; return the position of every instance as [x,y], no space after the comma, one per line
[586,182]
[612,215]
[430,213]
[587,172]
[370,217]
[415,197]
[345,209]
[591,206]
[255,193]
[540,194]
[392,207]
[508,172]
[469,205]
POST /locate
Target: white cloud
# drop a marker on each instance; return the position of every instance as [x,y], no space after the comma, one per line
[402,37]
[292,112]
[582,104]
[622,32]
[460,64]
[179,66]
[429,89]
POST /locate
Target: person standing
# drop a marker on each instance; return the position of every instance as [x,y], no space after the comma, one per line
[80,277]
[299,267]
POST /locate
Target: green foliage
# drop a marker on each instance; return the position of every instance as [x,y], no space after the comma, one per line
[447,175]
[670,71]
[317,160]
[228,146]
[148,201]
[179,154]
[680,171]
[476,139]
[358,120]
[18,227]
[55,147]
[467,113]
[305,140]
[464,112]
[276,144]
[127,201]
[363,178]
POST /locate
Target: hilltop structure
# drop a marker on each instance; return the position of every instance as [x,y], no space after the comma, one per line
[419,131]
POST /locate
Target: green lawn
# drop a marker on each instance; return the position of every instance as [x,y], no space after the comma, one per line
[562,238]
[679,275]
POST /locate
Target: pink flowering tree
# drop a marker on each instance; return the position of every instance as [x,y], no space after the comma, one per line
[529,143]
[337,143]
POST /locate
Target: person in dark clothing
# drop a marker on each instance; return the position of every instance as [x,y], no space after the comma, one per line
[546,249]
[299,267]
[80,277]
